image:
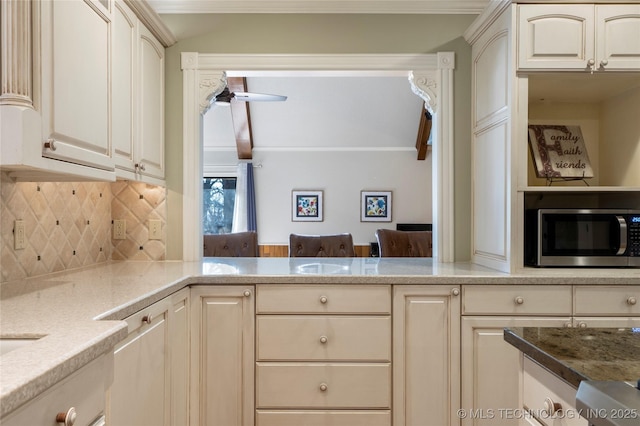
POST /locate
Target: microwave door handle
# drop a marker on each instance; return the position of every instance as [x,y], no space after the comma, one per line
[623,235]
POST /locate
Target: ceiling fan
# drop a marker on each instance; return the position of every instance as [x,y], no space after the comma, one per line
[224,97]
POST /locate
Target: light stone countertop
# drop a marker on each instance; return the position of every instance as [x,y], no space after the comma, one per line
[78,314]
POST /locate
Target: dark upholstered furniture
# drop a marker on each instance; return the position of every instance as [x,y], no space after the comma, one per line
[334,245]
[237,244]
[394,243]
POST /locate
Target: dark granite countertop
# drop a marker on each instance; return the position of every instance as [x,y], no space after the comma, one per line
[576,354]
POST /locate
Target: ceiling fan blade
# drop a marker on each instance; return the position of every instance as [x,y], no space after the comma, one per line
[262,97]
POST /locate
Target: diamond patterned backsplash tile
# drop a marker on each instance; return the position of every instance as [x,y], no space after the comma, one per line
[68,224]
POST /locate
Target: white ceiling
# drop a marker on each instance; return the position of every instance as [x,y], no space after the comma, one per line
[325,112]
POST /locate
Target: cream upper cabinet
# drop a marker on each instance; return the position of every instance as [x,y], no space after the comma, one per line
[138,99]
[222,355]
[55,110]
[426,355]
[579,37]
[75,62]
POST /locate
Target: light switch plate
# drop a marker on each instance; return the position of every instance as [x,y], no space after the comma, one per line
[155,229]
[19,238]
[119,229]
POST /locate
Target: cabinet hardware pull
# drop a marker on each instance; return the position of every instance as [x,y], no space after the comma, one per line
[551,407]
[591,64]
[139,166]
[604,63]
[323,299]
[519,300]
[323,387]
[323,339]
[568,325]
[631,301]
[68,418]
[50,144]
[247,293]
[582,325]
[147,318]
[455,292]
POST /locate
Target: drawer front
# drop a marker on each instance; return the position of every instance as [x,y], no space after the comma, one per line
[324,338]
[607,300]
[315,299]
[516,300]
[84,390]
[323,418]
[540,384]
[323,385]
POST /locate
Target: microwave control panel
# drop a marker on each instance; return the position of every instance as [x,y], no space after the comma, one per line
[634,235]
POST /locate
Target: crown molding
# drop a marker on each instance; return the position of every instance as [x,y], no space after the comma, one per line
[473,7]
[150,18]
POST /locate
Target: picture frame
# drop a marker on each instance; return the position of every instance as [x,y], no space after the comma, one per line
[375,206]
[307,205]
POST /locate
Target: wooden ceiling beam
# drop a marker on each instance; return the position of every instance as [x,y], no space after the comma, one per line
[424,132]
[241,119]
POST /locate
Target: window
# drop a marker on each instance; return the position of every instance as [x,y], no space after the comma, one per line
[218,195]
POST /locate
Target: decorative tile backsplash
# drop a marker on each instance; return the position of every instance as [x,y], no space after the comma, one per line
[69,224]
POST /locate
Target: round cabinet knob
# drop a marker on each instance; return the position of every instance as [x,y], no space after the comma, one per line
[68,418]
[323,339]
[519,300]
[551,407]
[323,387]
[455,292]
[147,319]
[323,299]
[604,63]
[50,144]
[139,166]
[591,62]
[247,293]
[631,301]
[568,325]
[582,325]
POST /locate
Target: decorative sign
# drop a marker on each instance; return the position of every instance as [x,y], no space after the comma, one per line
[559,152]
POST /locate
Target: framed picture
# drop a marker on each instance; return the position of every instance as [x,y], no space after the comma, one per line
[375,206]
[306,206]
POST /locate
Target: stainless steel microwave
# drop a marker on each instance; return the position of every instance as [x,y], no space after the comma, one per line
[582,237]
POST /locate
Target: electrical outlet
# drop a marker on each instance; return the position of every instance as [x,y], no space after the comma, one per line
[119,229]
[19,239]
[155,229]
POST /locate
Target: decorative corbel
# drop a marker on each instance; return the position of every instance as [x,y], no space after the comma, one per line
[211,83]
[425,85]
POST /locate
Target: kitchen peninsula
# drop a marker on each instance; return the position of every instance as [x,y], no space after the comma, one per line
[580,373]
[78,317]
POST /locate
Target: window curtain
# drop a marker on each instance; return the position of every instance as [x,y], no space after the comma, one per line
[244,212]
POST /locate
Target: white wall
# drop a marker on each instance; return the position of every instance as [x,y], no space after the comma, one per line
[341,175]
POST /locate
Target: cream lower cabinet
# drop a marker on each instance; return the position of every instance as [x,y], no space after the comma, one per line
[81,394]
[323,355]
[222,355]
[146,363]
[426,355]
[490,379]
[606,306]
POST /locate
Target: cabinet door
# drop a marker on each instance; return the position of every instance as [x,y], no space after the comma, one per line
[555,36]
[125,38]
[618,36]
[491,366]
[74,81]
[222,351]
[151,112]
[426,355]
[140,391]
[179,317]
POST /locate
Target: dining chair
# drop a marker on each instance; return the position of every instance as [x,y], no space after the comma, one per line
[236,244]
[331,245]
[392,243]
